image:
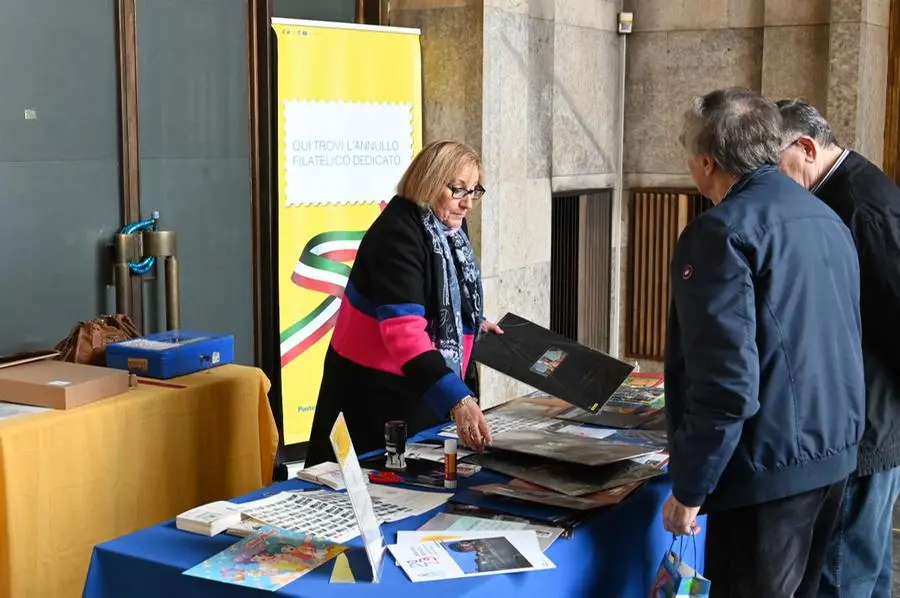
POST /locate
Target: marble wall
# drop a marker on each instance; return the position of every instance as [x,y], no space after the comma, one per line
[795,50]
[534,85]
[831,52]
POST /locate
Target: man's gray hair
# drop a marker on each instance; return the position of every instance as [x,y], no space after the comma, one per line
[738,128]
[801,118]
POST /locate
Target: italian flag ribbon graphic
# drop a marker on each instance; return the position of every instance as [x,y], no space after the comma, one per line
[323,268]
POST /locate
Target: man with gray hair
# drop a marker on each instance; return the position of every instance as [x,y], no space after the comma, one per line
[860,559]
[765,397]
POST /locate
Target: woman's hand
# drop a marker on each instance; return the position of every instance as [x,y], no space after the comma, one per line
[471,427]
[488,327]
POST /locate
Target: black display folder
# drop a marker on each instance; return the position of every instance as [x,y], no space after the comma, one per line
[552,363]
[568,448]
[567,478]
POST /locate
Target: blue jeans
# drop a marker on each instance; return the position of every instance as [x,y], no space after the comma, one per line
[860,560]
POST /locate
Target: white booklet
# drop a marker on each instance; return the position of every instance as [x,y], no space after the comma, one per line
[323,474]
[209,519]
[432,556]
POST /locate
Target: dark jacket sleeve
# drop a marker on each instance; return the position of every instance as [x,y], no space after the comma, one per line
[714,301]
[879,251]
[399,296]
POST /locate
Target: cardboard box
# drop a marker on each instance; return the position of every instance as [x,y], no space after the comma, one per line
[59,384]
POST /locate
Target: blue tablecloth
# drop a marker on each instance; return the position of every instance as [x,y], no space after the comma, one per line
[612,555]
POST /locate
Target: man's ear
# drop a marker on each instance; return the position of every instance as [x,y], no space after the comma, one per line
[707,164]
[810,150]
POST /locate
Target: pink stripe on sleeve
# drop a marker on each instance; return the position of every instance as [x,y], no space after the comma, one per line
[468,344]
[405,337]
[357,337]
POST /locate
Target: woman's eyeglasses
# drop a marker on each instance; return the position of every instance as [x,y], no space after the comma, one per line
[462,192]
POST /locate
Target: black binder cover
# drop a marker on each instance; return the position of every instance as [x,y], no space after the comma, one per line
[552,363]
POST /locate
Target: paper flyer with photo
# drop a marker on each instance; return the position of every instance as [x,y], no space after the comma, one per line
[432,556]
[359,494]
[450,522]
[268,559]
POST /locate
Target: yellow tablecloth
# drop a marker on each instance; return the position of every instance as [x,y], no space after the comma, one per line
[72,479]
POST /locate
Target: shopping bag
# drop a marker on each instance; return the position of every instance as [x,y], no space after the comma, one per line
[677,579]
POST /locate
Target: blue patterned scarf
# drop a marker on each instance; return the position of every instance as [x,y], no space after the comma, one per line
[459,290]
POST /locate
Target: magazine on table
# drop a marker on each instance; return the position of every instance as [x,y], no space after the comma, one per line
[567,478]
[530,493]
[568,447]
[651,438]
[567,520]
[267,559]
[546,535]
[433,556]
[634,404]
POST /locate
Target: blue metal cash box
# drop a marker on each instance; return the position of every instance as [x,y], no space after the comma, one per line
[169,354]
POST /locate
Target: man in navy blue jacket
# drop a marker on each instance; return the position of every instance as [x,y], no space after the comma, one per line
[765,397]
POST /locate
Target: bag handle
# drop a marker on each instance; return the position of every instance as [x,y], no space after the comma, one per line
[680,552]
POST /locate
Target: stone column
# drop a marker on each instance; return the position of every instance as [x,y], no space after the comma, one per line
[857,74]
[517,121]
[533,84]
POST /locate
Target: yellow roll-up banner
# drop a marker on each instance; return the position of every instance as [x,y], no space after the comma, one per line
[349,106]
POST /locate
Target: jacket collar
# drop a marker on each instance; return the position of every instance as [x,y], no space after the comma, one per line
[744,180]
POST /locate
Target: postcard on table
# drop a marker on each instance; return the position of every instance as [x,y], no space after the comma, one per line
[552,363]
[359,494]
[430,556]
[268,559]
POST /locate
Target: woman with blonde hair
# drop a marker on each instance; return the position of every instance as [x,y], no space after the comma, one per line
[411,313]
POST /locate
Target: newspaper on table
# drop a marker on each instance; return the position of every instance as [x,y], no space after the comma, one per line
[329,515]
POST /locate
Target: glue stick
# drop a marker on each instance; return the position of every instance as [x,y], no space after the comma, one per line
[450,463]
